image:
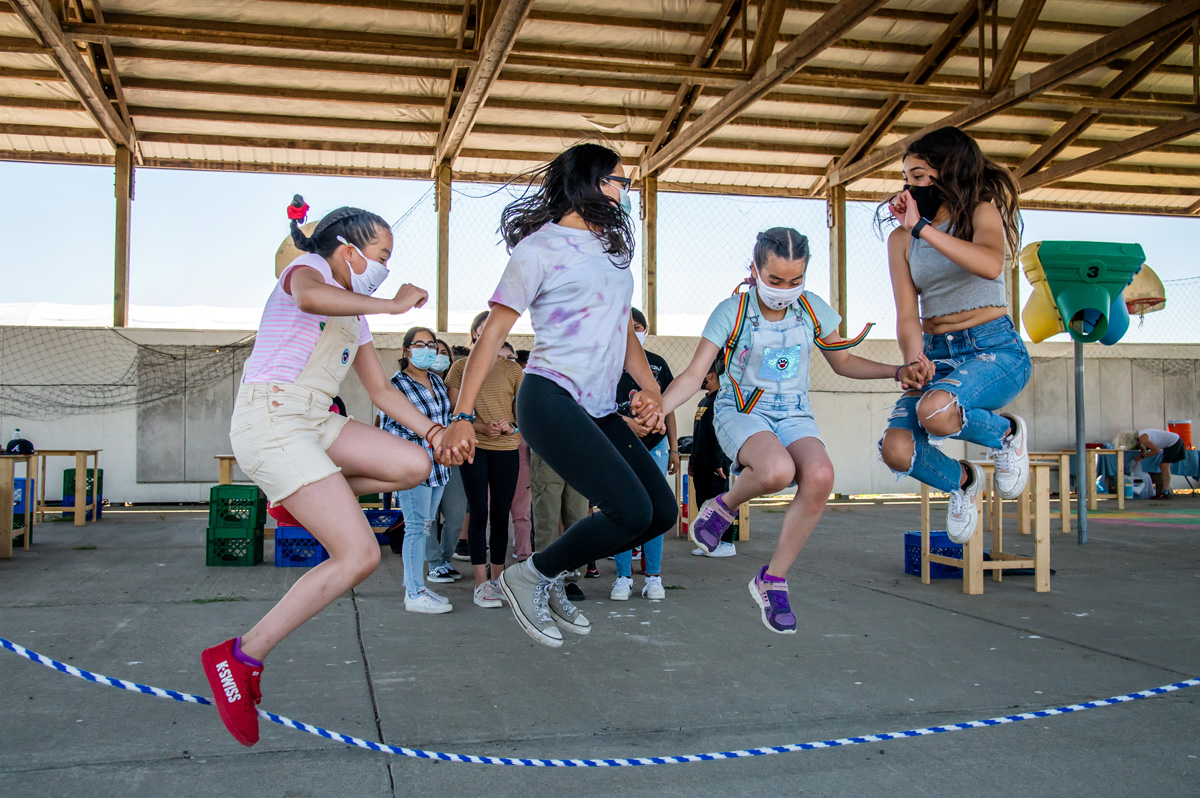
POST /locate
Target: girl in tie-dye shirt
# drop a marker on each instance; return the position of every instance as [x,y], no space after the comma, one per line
[571,240]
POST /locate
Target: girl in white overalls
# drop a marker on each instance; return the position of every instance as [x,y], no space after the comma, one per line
[313,462]
[762,414]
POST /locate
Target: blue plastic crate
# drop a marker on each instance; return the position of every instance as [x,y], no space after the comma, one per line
[69,501]
[20,494]
[295,548]
[380,520]
[939,543]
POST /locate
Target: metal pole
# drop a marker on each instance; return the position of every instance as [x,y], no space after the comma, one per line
[1080,466]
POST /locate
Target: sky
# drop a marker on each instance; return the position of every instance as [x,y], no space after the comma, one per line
[209,238]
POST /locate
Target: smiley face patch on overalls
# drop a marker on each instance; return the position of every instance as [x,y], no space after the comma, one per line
[780,364]
[345,356]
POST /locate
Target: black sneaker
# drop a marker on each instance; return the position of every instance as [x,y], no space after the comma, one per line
[574,593]
[592,571]
[462,551]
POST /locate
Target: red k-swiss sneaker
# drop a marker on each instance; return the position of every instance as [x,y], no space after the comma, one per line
[236,692]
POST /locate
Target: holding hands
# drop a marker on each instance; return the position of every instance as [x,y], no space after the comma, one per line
[917,374]
[455,443]
[646,406]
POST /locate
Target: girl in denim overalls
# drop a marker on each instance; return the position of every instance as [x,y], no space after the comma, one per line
[762,414]
[957,216]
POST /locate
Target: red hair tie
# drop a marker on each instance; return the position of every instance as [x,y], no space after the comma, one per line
[298,209]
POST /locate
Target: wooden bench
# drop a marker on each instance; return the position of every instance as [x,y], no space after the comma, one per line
[1037,492]
[8,463]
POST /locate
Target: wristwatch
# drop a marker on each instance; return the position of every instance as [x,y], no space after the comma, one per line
[918,227]
[462,417]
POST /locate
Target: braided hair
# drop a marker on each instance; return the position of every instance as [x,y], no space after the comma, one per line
[357,226]
[782,241]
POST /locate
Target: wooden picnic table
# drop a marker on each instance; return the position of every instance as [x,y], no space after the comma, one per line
[82,505]
[8,463]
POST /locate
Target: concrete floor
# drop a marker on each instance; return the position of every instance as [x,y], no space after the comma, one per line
[876,651]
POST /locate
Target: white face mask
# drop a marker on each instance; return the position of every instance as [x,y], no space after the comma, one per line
[777,298]
[371,278]
[641,336]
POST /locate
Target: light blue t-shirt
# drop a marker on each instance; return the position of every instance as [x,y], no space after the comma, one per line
[721,322]
[578,301]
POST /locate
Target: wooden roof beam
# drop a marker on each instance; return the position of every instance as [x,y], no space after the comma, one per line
[778,68]
[1133,74]
[1152,24]
[770,18]
[1014,44]
[947,42]
[497,44]
[46,29]
[1115,151]
[684,101]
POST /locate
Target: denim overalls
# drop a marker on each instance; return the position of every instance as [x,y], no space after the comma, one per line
[984,367]
[771,356]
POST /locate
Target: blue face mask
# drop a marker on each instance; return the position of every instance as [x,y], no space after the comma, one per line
[440,363]
[423,358]
[625,203]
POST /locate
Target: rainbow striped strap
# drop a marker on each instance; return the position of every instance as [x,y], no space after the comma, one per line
[855,341]
[744,404]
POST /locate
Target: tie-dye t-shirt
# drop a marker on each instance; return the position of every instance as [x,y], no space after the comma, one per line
[578,301]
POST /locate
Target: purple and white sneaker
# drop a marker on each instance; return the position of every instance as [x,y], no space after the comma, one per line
[711,522]
[772,598]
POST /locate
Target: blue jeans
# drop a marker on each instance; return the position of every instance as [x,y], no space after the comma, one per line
[420,506]
[985,368]
[653,548]
[454,512]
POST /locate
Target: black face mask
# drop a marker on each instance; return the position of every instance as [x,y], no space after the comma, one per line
[928,199]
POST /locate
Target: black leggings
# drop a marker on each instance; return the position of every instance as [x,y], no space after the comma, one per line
[496,471]
[604,461]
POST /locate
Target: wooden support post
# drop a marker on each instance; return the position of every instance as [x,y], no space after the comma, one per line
[6,501]
[123,190]
[836,220]
[1041,527]
[442,203]
[650,252]
[972,554]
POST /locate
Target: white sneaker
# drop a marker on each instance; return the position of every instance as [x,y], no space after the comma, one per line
[436,596]
[962,516]
[424,602]
[485,596]
[654,589]
[565,614]
[1012,461]
[724,550]
[621,589]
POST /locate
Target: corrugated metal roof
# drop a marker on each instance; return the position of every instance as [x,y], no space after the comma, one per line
[360,87]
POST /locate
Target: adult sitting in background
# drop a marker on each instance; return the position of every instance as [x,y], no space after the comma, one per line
[1153,441]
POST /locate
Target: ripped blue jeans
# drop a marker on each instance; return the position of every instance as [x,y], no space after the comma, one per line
[985,368]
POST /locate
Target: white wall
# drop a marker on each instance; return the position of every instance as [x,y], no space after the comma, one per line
[1127,388]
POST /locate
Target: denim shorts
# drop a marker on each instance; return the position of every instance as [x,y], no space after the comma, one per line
[786,416]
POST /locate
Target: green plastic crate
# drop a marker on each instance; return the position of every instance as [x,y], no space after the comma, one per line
[232,546]
[69,482]
[237,507]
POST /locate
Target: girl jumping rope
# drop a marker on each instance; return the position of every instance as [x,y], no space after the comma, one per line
[571,242]
[958,217]
[312,462]
[762,415]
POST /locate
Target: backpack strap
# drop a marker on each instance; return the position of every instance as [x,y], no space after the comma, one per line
[855,341]
[744,404]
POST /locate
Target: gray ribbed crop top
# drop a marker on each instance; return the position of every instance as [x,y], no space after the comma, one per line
[946,288]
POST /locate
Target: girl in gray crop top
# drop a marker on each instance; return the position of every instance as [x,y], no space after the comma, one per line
[956,218]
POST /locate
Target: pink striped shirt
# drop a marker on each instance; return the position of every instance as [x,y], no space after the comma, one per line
[287,335]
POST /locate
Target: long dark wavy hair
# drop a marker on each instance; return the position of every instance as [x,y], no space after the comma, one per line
[966,177]
[571,182]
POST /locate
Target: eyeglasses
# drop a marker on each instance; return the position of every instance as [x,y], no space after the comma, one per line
[623,182]
[423,345]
